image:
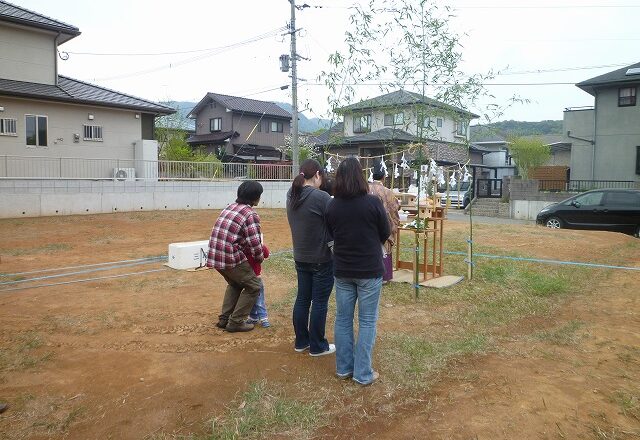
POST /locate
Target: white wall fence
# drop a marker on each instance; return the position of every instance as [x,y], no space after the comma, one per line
[34,198]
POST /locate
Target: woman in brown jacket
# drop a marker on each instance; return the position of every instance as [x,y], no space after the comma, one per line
[391,206]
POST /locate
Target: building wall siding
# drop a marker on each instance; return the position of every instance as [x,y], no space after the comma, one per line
[617,136]
[120,130]
[445,133]
[27,55]
[210,111]
[244,124]
[581,124]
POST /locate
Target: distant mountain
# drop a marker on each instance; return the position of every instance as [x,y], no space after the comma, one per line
[306,125]
[180,120]
[505,129]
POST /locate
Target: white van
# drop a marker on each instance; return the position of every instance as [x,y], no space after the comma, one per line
[459,199]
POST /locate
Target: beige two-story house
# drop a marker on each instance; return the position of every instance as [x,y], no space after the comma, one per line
[385,123]
[46,116]
[240,129]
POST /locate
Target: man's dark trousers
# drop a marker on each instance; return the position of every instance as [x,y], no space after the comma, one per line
[241,294]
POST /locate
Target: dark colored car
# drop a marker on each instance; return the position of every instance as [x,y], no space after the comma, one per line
[603,209]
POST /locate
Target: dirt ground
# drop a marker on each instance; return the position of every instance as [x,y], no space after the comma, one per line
[139,357]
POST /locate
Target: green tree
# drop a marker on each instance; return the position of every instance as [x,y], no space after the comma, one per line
[175,148]
[528,153]
[408,44]
[306,147]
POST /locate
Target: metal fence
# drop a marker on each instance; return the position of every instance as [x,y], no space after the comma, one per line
[19,167]
[585,185]
[489,188]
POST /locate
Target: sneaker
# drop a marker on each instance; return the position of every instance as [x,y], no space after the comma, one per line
[344,376]
[221,324]
[332,349]
[244,327]
[300,350]
[264,322]
[375,377]
[251,320]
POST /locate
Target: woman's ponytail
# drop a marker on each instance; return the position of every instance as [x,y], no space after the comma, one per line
[308,169]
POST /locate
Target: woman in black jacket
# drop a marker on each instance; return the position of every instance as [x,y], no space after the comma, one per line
[359,226]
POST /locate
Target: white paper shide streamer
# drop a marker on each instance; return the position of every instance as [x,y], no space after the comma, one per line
[329,167]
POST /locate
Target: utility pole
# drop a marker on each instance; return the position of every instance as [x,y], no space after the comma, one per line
[294,90]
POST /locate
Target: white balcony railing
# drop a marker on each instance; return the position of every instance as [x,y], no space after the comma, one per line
[63,168]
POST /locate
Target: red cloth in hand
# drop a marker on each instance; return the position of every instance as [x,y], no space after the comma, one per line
[257,267]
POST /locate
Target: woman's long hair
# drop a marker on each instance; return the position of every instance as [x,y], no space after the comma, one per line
[350,181]
[308,169]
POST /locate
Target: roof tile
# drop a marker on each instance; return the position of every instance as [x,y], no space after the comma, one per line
[246,105]
[73,90]
[13,12]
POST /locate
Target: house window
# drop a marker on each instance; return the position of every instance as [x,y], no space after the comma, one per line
[461,128]
[36,130]
[215,124]
[439,122]
[259,126]
[8,127]
[362,124]
[92,132]
[277,127]
[626,96]
[394,118]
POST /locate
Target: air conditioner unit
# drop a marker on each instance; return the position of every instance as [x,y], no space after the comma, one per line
[128,174]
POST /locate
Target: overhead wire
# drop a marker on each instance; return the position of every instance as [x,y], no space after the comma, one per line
[196,58]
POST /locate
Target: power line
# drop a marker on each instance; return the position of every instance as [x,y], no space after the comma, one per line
[495,7]
[546,7]
[444,84]
[196,58]
[138,54]
[562,69]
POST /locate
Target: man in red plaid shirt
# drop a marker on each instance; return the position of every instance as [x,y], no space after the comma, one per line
[237,229]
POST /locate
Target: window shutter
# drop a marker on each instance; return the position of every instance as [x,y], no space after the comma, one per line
[638,159]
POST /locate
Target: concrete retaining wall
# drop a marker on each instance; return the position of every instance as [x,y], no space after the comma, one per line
[35,198]
[527,200]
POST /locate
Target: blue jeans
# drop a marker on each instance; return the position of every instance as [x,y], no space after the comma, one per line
[259,311]
[315,282]
[367,293]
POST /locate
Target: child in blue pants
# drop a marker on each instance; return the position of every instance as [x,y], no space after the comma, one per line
[259,312]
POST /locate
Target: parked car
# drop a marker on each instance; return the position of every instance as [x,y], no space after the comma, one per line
[605,210]
[460,201]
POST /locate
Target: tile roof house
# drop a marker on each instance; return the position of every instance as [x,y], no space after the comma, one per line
[45,114]
[385,123]
[605,139]
[240,129]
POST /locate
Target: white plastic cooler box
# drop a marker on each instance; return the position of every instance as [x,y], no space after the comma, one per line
[188,255]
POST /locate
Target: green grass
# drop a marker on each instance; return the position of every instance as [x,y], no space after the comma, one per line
[411,359]
[628,402]
[22,352]
[283,265]
[262,412]
[465,317]
[280,263]
[565,334]
[47,248]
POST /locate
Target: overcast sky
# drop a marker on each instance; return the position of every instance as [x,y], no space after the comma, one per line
[522,35]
